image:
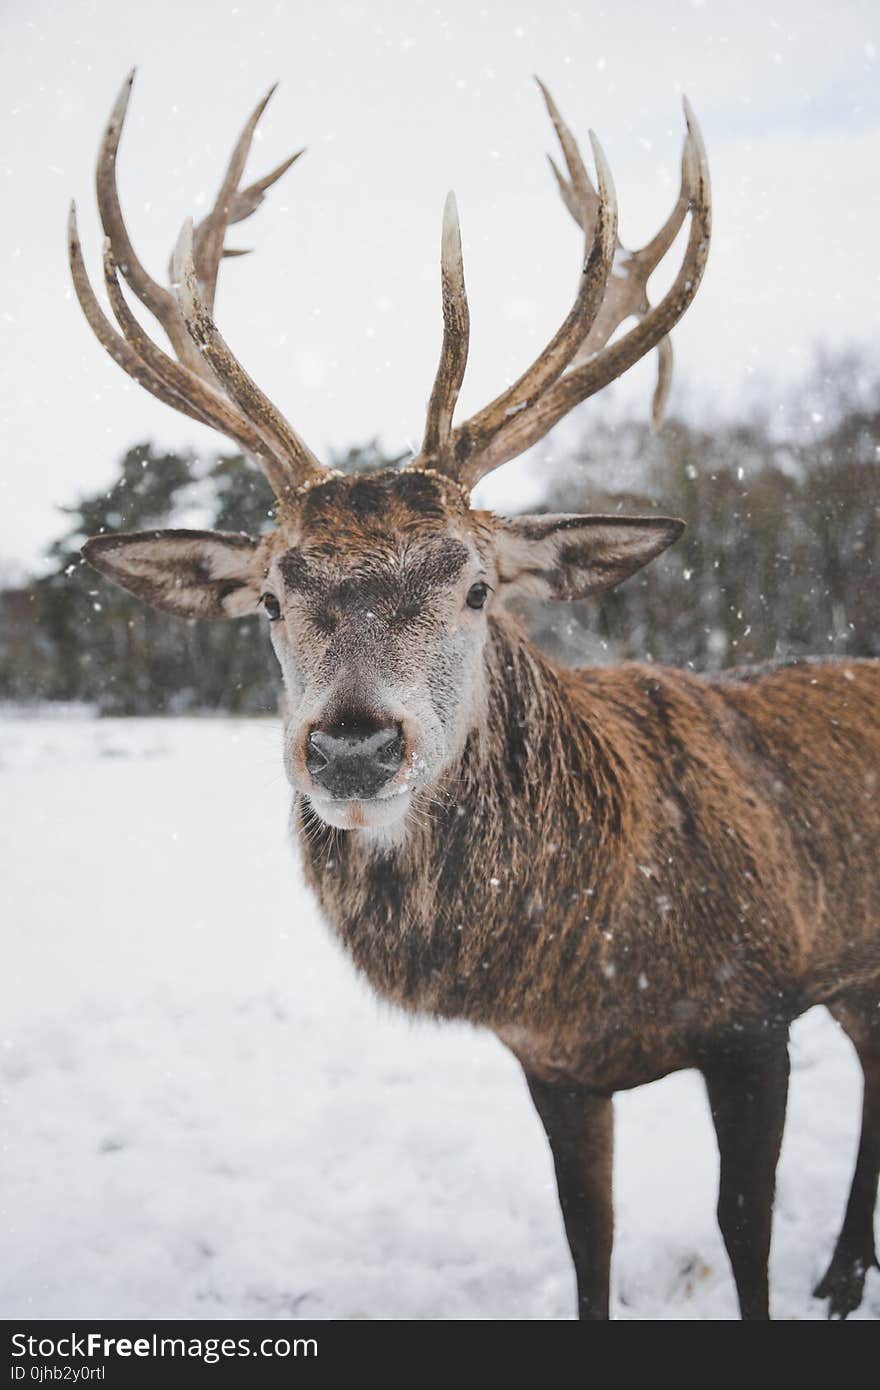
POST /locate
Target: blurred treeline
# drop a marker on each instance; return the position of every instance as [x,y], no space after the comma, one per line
[781,557]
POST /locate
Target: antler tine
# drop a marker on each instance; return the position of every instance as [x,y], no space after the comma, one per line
[300,463]
[583,193]
[627,289]
[474,437]
[566,192]
[665,362]
[654,250]
[527,427]
[204,401]
[153,296]
[456,334]
[247,200]
[107,336]
[232,204]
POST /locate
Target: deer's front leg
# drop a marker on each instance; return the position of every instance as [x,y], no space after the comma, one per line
[747,1094]
[580,1128]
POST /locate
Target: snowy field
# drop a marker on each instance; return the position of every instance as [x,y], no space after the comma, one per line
[205,1114]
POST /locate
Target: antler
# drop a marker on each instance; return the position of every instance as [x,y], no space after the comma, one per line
[626,293]
[577,362]
[204,380]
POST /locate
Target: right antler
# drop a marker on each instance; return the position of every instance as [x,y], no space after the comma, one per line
[579,360]
[626,289]
[204,380]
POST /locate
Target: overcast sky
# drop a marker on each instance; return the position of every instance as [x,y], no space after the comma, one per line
[337,314]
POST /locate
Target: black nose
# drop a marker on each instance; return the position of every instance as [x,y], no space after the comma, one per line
[354,760]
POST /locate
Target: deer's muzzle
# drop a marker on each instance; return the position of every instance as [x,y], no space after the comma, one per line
[353,761]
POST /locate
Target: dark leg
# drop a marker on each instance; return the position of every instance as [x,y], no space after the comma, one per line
[747,1093]
[855,1251]
[580,1127]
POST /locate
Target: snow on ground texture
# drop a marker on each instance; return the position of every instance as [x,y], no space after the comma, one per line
[206,1114]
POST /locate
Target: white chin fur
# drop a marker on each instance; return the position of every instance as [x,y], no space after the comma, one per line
[362,815]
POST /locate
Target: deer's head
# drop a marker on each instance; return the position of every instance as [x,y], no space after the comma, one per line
[378,589]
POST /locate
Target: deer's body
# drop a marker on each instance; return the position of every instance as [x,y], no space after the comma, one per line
[628,865]
[621,872]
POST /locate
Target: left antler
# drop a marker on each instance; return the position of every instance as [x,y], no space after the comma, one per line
[204,379]
[577,362]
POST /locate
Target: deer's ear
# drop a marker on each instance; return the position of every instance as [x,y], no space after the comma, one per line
[571,557]
[193,574]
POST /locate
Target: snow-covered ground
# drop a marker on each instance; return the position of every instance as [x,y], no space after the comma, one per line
[205,1114]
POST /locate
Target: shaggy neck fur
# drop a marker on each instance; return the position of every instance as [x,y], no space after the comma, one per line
[462,917]
[627,862]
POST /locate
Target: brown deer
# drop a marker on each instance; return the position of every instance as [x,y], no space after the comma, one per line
[621,872]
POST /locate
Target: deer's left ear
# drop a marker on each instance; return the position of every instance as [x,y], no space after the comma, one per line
[571,557]
[192,574]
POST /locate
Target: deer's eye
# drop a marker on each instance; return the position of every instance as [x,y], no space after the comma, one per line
[272,607]
[477,595]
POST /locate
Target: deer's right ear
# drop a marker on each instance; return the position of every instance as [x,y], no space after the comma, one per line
[571,557]
[193,574]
